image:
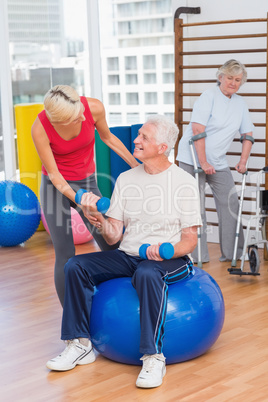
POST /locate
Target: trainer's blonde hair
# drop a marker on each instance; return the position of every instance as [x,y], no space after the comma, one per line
[232,67]
[62,103]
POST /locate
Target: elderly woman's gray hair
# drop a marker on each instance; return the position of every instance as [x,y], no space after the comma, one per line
[167,131]
[232,67]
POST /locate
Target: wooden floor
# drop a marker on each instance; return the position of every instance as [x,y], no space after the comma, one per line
[234,369]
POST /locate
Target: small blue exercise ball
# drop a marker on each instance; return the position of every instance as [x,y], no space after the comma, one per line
[19,213]
[195,316]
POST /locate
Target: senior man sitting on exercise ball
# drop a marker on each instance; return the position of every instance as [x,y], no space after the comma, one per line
[155,202]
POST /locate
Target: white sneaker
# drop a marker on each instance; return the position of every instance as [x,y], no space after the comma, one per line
[153,371]
[74,353]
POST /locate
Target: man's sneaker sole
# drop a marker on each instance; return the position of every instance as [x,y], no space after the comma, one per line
[51,367]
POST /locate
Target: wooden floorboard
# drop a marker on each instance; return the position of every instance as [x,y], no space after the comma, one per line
[234,369]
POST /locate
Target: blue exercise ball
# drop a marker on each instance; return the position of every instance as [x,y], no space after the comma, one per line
[20,213]
[195,316]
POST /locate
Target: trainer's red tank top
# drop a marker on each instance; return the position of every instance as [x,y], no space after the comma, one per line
[74,158]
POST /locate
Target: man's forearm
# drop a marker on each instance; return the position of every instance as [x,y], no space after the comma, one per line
[187,243]
[111,231]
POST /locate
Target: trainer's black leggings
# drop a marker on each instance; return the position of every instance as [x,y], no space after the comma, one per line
[57,211]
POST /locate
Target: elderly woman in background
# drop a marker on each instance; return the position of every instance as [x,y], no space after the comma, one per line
[64,136]
[218,114]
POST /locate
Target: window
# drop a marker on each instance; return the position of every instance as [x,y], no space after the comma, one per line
[170,116]
[133,118]
[113,79]
[168,61]
[140,34]
[114,99]
[149,62]
[168,98]
[130,62]
[124,10]
[147,115]
[112,63]
[132,98]
[131,79]
[40,43]
[149,78]
[168,78]
[115,119]
[150,98]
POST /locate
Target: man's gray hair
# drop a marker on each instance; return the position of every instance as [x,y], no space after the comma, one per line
[166,131]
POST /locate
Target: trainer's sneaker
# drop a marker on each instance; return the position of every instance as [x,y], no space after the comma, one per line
[153,371]
[74,353]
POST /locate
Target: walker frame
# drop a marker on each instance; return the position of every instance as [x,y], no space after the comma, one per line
[259,237]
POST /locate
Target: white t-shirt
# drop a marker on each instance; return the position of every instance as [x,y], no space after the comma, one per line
[154,208]
[223,117]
